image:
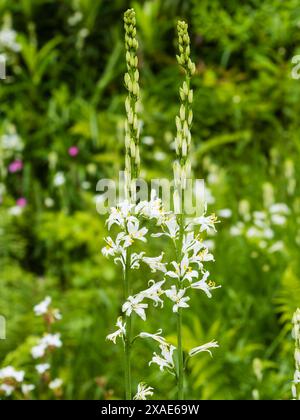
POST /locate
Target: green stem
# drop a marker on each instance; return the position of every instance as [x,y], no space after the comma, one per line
[127,347]
[180,356]
[180,374]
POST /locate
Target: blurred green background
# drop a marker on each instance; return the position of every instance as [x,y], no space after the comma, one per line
[65,66]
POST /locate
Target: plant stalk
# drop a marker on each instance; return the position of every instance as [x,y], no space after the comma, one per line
[127,347]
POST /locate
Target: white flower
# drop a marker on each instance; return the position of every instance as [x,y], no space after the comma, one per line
[120,214]
[134,304]
[278,219]
[165,360]
[172,228]
[204,347]
[12,141]
[121,331]
[183,271]
[155,263]
[225,213]
[7,389]
[55,384]
[48,341]
[15,211]
[59,179]
[8,40]
[152,209]
[27,388]
[203,285]
[177,297]
[207,223]
[279,208]
[10,372]
[153,292]
[157,336]
[143,391]
[114,248]
[134,232]
[42,308]
[42,368]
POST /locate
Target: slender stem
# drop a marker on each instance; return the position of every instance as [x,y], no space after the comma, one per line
[127,347]
[180,376]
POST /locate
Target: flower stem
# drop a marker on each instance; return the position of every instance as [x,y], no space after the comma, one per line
[127,347]
[180,376]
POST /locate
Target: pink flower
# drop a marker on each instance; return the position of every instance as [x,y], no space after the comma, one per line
[73,151]
[15,166]
[21,202]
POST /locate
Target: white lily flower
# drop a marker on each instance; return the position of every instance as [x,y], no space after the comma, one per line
[203,285]
[165,360]
[42,308]
[172,228]
[133,304]
[155,263]
[177,297]
[121,331]
[48,341]
[114,248]
[10,372]
[27,388]
[120,214]
[206,223]
[42,368]
[134,232]
[157,336]
[153,292]
[7,389]
[56,384]
[143,391]
[183,271]
[152,209]
[205,347]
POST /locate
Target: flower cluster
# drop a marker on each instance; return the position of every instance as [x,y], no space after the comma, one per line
[12,381]
[185,272]
[47,344]
[132,126]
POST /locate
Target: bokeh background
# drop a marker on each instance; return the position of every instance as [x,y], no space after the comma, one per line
[65,66]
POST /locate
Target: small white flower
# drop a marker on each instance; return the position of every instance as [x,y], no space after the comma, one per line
[157,336]
[134,232]
[8,40]
[48,341]
[206,223]
[165,360]
[177,297]
[155,263]
[170,227]
[225,213]
[42,368]
[10,372]
[42,307]
[27,388]
[56,384]
[59,179]
[183,271]
[15,211]
[133,304]
[143,391]
[278,219]
[279,208]
[121,331]
[203,285]
[205,347]
[153,292]
[7,389]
